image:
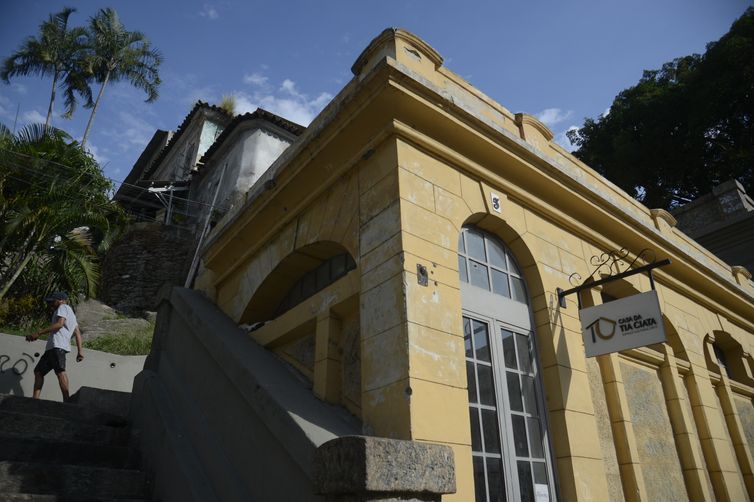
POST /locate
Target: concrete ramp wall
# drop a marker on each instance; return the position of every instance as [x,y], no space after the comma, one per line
[221,418]
[98,369]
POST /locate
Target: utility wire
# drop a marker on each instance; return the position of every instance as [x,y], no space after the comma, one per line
[111,180]
[102,205]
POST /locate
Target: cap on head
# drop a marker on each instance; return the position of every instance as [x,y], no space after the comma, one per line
[58,295]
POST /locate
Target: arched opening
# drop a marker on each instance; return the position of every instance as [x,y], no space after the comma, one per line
[510,442]
[297,277]
[728,357]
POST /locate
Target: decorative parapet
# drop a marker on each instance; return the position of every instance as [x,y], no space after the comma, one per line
[741,275]
[399,44]
[533,131]
[362,468]
[663,220]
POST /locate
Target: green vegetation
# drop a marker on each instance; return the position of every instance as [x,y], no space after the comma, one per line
[57,52]
[117,54]
[683,128]
[55,217]
[77,57]
[137,343]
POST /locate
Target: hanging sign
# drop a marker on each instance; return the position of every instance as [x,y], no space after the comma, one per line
[628,323]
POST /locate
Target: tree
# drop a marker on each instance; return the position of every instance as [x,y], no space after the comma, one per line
[56,52]
[118,54]
[681,129]
[54,202]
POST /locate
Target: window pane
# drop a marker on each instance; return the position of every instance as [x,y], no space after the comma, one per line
[467,336]
[500,283]
[486,386]
[480,486]
[481,341]
[519,436]
[514,391]
[476,437]
[475,245]
[462,272]
[496,480]
[478,275]
[535,438]
[491,431]
[509,351]
[512,266]
[519,294]
[525,481]
[308,284]
[323,275]
[540,473]
[530,397]
[338,265]
[524,353]
[496,254]
[461,246]
[472,382]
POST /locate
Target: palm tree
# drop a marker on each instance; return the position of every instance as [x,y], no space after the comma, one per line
[119,54]
[56,52]
[53,198]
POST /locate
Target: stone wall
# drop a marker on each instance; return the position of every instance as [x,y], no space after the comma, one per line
[147,256]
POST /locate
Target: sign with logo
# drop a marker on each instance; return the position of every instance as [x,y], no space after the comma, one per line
[628,323]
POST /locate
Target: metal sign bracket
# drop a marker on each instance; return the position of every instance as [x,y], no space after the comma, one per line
[609,266]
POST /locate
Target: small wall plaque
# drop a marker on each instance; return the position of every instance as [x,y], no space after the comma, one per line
[495,200]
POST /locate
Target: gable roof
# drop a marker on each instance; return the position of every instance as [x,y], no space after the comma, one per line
[200,106]
[128,190]
[259,113]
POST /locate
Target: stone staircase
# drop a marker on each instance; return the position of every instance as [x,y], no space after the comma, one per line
[64,451]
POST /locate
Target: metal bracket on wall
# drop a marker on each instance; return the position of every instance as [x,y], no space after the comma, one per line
[422,277]
[612,266]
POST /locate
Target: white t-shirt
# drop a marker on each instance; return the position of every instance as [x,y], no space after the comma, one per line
[61,339]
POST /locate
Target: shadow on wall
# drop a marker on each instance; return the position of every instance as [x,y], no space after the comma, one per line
[13,367]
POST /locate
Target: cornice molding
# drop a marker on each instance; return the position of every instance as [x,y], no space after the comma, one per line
[385,38]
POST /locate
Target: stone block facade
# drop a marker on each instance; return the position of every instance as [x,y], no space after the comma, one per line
[145,258]
[406,160]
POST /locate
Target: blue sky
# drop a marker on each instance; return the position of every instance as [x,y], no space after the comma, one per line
[560,60]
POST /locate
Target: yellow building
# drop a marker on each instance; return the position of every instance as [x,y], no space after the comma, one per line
[405,255]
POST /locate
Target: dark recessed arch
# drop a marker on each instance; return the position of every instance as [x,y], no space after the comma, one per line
[310,268]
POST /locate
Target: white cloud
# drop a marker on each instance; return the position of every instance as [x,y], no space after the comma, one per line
[289,86]
[606,112]
[209,12]
[33,117]
[186,89]
[98,154]
[19,88]
[129,131]
[255,79]
[552,116]
[287,101]
[135,130]
[561,138]
[6,107]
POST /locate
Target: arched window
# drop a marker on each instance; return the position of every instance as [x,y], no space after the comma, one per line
[510,446]
[316,280]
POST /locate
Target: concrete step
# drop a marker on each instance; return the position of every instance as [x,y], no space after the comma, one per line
[65,481]
[19,449]
[68,411]
[36,497]
[31,426]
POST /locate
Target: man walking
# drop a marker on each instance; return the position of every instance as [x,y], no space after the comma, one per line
[63,326]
